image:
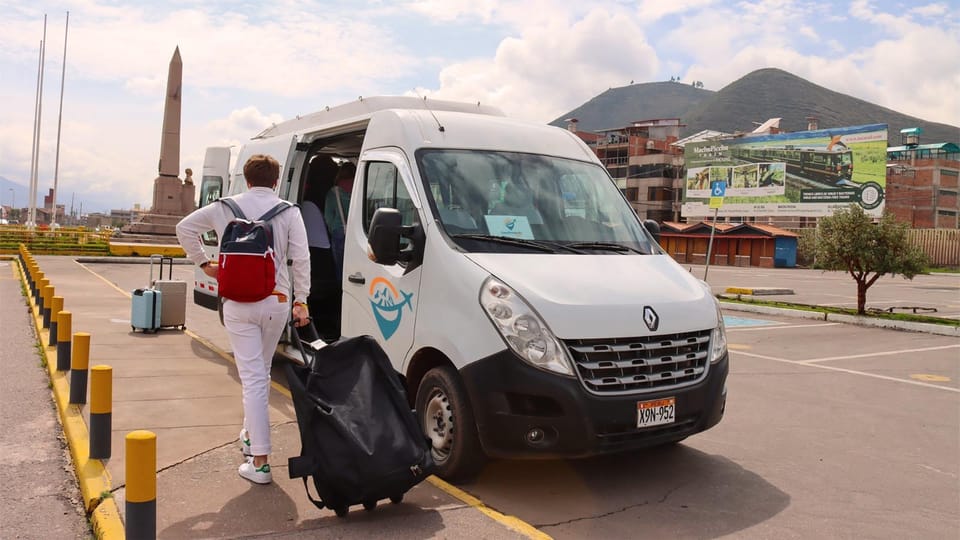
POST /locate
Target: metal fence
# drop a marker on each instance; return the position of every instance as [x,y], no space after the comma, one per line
[941,245]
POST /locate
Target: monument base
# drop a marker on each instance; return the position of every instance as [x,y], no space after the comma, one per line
[153,224]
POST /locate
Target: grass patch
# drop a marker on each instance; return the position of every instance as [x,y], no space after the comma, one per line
[909,317]
[942,270]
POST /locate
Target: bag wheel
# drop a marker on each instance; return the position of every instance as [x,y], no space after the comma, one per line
[397,499]
[369,506]
[341,511]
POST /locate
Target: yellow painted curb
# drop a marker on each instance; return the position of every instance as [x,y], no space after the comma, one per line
[145,250]
[92,477]
[738,290]
[511,522]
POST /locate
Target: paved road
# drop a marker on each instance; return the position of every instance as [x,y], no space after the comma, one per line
[831,431]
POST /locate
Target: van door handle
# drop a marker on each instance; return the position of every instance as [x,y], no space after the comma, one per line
[357,278]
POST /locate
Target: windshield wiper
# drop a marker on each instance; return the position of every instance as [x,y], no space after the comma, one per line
[605,245]
[542,246]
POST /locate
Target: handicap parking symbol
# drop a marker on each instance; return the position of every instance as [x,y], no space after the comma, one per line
[717,189]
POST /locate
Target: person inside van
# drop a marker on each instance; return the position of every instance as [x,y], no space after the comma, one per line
[335,212]
[324,299]
[517,201]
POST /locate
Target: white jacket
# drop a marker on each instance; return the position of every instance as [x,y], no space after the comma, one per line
[289,236]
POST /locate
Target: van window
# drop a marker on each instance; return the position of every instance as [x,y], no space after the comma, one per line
[493,201]
[383,188]
[210,189]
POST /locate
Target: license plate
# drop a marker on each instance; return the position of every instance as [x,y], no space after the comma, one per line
[656,412]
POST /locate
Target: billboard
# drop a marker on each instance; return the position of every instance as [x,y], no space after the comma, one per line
[805,173]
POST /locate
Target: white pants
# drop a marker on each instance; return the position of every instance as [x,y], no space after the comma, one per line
[254,329]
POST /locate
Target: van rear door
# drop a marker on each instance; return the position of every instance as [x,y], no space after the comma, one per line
[216,173]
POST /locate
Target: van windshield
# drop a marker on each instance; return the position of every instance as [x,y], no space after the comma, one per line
[508,201]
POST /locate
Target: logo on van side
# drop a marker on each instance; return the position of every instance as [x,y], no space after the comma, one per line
[387,303]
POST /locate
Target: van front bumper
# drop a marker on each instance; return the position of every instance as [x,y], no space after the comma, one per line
[522,411]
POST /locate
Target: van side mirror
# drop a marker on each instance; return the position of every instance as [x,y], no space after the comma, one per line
[384,236]
[653,228]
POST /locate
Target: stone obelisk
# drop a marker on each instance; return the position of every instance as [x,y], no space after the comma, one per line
[172,198]
[166,187]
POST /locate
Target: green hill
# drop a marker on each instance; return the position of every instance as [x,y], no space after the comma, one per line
[756,97]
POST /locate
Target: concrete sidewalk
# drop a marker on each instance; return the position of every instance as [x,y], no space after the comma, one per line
[179,385]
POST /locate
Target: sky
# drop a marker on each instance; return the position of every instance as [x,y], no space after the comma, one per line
[248,64]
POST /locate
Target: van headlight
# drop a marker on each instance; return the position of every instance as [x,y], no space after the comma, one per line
[524,331]
[718,339]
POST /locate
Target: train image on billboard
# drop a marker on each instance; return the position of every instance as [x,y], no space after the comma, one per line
[832,167]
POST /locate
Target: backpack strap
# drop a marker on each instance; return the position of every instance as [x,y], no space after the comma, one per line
[233,206]
[272,213]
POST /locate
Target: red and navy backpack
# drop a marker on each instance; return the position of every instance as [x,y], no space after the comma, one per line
[247,263]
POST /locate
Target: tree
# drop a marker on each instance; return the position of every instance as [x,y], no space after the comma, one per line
[849,240]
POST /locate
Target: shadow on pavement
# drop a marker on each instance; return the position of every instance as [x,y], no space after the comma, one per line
[258,508]
[674,491]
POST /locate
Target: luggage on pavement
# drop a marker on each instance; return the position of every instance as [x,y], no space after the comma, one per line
[146,305]
[360,441]
[174,293]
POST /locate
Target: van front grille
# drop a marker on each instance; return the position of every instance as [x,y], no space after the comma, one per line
[643,364]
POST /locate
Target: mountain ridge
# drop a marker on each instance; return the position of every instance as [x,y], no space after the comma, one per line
[755,97]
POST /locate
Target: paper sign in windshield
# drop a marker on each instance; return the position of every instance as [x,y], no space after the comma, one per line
[509,226]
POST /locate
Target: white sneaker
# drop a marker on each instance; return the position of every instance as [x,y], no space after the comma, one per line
[245,443]
[257,475]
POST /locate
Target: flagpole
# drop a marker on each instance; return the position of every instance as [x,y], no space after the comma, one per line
[56,167]
[33,142]
[36,167]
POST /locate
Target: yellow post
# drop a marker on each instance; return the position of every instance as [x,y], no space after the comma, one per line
[141,477]
[56,306]
[101,411]
[47,302]
[78,368]
[38,299]
[64,328]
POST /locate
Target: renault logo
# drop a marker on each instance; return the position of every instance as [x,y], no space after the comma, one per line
[650,318]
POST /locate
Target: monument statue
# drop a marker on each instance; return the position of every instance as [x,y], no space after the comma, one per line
[172,197]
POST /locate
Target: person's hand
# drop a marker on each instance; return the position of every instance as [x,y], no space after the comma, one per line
[300,315]
[211,269]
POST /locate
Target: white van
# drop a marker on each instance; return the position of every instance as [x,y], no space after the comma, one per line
[531,312]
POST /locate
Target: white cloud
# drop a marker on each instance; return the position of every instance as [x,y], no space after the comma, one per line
[931,10]
[545,70]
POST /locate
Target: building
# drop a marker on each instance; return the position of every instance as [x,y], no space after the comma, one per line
[647,167]
[923,181]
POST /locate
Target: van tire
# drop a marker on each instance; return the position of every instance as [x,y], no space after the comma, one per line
[445,415]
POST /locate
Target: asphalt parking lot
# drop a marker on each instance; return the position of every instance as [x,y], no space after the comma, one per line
[831,431]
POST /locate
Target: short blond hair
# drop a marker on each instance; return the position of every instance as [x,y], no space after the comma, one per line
[261,171]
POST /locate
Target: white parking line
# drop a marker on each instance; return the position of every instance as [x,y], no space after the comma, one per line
[885,353]
[842,370]
[774,327]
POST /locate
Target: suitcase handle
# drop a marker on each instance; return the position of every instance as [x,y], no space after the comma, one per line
[160,264]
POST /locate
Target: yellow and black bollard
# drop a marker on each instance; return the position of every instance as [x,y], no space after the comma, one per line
[56,306]
[64,327]
[38,297]
[101,415]
[141,495]
[78,368]
[32,270]
[47,295]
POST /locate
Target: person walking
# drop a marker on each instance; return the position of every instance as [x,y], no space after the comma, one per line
[254,328]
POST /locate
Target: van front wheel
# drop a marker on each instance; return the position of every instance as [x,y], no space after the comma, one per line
[443,409]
